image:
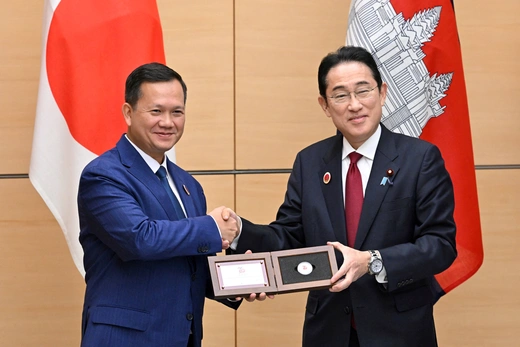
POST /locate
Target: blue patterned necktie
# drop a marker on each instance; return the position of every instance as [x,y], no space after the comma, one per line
[161,173]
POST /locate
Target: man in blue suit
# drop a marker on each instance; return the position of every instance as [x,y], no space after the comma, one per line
[146,238]
[404,231]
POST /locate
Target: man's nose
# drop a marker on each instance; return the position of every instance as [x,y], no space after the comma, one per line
[353,103]
[167,120]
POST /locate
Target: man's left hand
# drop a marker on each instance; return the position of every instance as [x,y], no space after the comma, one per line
[355,265]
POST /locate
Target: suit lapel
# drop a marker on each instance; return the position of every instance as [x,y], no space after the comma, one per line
[375,192]
[137,167]
[181,186]
[332,191]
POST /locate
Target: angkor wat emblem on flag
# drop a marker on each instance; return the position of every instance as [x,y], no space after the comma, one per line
[413,95]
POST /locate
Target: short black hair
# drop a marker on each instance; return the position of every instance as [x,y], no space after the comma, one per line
[152,72]
[344,55]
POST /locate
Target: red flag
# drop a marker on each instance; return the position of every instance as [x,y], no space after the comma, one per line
[89,48]
[417,49]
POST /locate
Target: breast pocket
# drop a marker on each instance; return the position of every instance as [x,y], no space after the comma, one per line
[395,205]
[396,219]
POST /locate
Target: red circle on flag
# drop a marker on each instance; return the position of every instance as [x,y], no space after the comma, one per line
[92,47]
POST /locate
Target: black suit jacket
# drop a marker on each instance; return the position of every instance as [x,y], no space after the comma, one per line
[409,221]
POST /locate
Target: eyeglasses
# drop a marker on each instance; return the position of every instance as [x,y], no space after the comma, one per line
[342,97]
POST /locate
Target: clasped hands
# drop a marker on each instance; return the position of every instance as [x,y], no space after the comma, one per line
[229,224]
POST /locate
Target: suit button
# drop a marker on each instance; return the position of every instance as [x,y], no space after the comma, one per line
[347,310]
[193,276]
[189,316]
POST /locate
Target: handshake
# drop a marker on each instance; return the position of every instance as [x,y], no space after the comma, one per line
[229,224]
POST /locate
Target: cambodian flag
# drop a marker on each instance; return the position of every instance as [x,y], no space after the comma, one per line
[416,46]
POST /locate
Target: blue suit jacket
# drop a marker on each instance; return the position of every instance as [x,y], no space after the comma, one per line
[410,223]
[146,272]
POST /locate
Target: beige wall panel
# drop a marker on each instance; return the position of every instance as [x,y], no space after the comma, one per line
[20,39]
[279,45]
[198,39]
[273,322]
[219,320]
[41,291]
[276,322]
[484,310]
[258,197]
[490,43]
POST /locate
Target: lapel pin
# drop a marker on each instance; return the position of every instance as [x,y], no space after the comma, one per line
[186,190]
[326,178]
[389,173]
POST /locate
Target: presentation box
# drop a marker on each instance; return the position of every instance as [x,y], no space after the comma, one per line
[277,272]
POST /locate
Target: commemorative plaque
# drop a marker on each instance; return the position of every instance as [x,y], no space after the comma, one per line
[272,272]
[304,268]
[241,274]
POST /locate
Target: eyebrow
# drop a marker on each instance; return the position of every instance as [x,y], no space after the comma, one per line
[360,83]
[179,107]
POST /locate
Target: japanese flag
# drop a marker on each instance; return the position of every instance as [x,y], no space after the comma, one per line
[89,48]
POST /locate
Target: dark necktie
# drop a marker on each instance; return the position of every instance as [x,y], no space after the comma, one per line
[161,173]
[353,198]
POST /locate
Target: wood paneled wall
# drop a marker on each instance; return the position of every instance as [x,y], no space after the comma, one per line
[251,67]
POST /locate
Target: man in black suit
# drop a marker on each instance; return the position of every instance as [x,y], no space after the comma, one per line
[402,234]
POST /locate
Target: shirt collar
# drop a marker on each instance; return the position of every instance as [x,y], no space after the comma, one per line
[367,149]
[151,162]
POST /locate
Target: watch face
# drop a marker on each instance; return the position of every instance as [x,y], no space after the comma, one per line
[376,266]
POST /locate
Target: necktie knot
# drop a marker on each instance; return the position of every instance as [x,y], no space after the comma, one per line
[161,173]
[354,157]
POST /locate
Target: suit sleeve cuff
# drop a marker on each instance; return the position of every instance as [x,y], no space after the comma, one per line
[381,277]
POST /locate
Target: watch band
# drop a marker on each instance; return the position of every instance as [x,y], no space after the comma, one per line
[375,257]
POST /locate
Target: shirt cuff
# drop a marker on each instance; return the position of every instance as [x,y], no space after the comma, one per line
[234,244]
[216,225]
[381,277]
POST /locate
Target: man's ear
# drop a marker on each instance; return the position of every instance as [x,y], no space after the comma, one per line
[382,93]
[127,113]
[324,105]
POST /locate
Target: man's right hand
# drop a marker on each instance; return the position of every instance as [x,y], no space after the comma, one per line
[228,224]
